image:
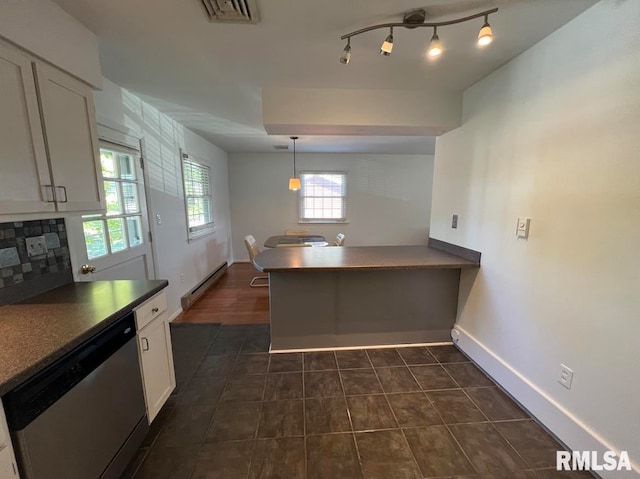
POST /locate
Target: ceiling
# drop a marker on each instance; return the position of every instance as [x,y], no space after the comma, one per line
[208,76]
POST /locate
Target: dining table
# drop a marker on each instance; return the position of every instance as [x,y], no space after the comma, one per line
[312,240]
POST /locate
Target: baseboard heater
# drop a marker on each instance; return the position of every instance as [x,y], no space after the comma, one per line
[193,295]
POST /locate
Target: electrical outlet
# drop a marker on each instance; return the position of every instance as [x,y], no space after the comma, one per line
[566,376]
[454,221]
[182,277]
[36,246]
[158,219]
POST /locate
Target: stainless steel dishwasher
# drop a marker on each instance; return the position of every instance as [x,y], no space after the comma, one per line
[82,417]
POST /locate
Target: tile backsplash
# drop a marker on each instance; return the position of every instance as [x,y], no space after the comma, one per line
[34,258]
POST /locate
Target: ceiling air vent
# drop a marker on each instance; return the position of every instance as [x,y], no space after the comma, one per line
[281,147]
[231,11]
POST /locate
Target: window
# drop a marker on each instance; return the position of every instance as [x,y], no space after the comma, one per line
[322,197]
[120,228]
[197,194]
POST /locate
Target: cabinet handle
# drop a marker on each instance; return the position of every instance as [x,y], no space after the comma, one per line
[155,310]
[53,194]
[145,345]
[64,188]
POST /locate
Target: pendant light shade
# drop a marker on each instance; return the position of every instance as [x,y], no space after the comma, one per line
[294,182]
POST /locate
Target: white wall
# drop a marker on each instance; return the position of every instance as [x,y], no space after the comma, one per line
[44,29]
[162,140]
[323,111]
[555,135]
[388,197]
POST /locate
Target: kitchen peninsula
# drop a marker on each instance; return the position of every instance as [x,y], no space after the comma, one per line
[362,296]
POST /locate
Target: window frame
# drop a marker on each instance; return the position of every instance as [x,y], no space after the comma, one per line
[301,196]
[198,231]
[104,217]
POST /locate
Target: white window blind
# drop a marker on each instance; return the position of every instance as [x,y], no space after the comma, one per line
[198,198]
[323,197]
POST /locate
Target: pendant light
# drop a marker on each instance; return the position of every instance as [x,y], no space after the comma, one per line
[294,182]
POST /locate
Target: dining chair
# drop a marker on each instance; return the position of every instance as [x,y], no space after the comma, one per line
[296,232]
[293,245]
[339,240]
[253,249]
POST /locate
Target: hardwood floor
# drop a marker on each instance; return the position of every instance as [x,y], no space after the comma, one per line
[231,300]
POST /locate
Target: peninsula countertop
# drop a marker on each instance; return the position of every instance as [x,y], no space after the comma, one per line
[344,258]
[39,330]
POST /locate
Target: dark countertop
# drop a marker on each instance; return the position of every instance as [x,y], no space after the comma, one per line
[344,258]
[39,330]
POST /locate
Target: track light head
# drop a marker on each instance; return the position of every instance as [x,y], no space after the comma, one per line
[346,53]
[486,34]
[435,46]
[387,45]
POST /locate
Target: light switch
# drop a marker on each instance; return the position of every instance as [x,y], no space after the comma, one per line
[522,228]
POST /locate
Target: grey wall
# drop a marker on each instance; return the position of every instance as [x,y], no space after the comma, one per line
[388,197]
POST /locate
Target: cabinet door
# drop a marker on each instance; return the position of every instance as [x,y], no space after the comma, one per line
[8,468]
[156,361]
[24,172]
[71,136]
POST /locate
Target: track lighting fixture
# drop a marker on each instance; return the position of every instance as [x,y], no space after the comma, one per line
[435,46]
[486,35]
[416,18]
[346,54]
[294,182]
[387,45]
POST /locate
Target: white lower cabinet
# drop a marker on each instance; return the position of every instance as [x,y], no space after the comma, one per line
[8,466]
[155,353]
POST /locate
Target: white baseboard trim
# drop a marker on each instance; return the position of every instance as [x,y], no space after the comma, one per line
[569,429]
[351,348]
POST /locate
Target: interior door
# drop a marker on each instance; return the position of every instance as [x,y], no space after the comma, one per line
[115,244]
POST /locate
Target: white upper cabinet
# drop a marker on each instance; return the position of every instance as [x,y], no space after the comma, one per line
[25,182]
[71,136]
[49,157]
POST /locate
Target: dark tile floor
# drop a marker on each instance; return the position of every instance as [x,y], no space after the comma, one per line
[239,412]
